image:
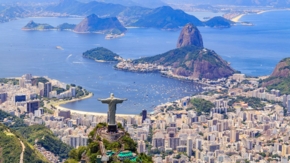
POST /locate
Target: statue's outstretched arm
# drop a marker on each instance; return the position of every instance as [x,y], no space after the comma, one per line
[104,100]
[119,100]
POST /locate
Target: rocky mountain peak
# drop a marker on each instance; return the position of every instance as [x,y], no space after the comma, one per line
[190,35]
[282,69]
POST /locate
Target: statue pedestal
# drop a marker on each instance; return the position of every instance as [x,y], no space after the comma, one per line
[112,128]
[111,136]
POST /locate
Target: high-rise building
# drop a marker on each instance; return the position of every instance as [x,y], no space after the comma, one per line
[25,79]
[249,144]
[83,140]
[73,91]
[20,98]
[47,89]
[141,147]
[234,136]
[288,106]
[198,144]
[284,150]
[189,146]
[64,113]
[32,106]
[3,97]
[214,147]
[41,89]
[144,115]
[74,141]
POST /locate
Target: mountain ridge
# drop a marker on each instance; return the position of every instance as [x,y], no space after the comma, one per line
[93,23]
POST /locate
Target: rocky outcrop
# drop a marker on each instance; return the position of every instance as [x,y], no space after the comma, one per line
[280,78]
[282,69]
[190,35]
[191,61]
[93,23]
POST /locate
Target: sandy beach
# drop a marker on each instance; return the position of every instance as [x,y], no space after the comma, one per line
[57,105]
[237,18]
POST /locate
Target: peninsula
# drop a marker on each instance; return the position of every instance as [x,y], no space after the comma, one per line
[189,61]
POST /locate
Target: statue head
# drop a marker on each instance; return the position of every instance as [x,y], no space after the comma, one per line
[112,95]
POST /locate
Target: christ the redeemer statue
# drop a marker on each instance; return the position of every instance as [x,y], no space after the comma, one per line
[112,102]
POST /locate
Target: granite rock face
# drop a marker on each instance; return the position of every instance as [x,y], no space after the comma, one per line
[190,35]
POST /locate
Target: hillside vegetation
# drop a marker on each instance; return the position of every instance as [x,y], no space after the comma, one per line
[280,78]
[11,149]
[192,61]
[100,53]
[37,132]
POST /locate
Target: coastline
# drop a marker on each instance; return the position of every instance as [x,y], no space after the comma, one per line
[237,18]
[58,107]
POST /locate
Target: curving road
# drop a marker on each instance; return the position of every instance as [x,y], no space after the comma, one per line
[22,153]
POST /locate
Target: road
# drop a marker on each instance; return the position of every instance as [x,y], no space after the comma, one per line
[22,153]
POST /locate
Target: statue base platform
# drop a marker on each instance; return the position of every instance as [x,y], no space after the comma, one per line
[112,128]
[111,136]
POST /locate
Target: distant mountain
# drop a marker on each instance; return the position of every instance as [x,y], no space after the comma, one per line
[93,23]
[191,59]
[280,78]
[150,3]
[27,1]
[190,35]
[277,3]
[8,13]
[143,3]
[219,22]
[66,26]
[73,7]
[162,17]
[36,26]
[167,18]
[132,14]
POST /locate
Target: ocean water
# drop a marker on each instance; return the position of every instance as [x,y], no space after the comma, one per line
[253,50]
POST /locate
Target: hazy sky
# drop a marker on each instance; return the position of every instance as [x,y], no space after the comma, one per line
[155,3]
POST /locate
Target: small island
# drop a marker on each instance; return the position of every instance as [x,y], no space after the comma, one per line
[37,26]
[101,54]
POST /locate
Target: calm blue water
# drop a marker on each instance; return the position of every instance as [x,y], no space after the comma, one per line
[253,50]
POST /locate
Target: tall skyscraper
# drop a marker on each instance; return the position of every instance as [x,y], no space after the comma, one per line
[3,97]
[141,147]
[32,106]
[144,115]
[47,89]
[234,136]
[198,144]
[73,91]
[41,89]
[189,147]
